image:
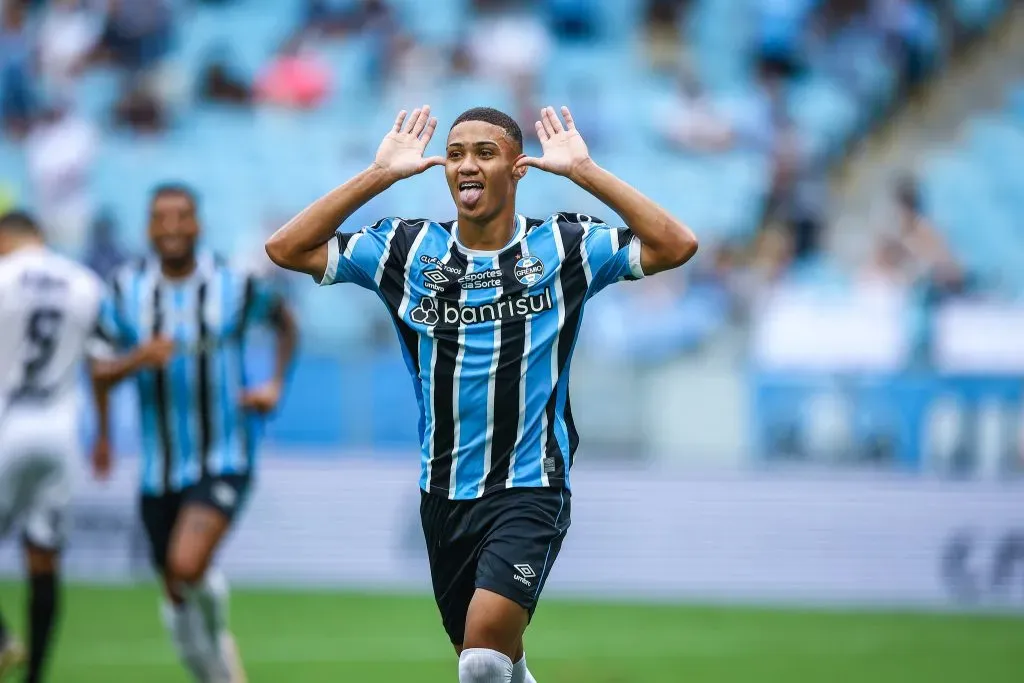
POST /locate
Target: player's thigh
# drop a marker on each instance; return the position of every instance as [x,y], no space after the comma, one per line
[495,622]
[159,515]
[527,527]
[452,550]
[208,510]
[47,513]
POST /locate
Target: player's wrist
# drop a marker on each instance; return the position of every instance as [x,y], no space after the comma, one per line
[582,169]
[382,175]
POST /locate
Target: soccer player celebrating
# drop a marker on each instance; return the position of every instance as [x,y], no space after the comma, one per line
[49,314]
[186,316]
[488,308]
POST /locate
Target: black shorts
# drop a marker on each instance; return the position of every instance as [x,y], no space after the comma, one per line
[505,542]
[225,493]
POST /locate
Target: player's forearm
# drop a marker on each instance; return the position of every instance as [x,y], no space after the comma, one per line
[101,399]
[668,243]
[300,244]
[110,373]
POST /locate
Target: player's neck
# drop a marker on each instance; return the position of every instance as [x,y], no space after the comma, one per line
[178,269]
[490,235]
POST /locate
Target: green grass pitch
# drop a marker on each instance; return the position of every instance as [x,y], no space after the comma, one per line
[112,635]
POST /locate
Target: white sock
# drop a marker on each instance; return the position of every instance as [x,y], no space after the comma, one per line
[520,674]
[478,665]
[185,624]
[210,596]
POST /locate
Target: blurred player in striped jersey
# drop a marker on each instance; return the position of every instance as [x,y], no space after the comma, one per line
[183,318]
[488,308]
[49,314]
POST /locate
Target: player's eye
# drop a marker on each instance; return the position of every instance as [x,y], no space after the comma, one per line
[486,154]
[453,155]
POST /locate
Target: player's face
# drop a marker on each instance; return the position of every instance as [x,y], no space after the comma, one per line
[173,227]
[481,169]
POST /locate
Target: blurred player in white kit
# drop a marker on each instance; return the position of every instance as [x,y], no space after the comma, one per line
[49,309]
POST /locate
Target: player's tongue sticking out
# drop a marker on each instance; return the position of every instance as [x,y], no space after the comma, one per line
[470,193]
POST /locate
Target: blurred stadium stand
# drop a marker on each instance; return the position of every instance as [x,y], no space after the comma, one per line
[729,112]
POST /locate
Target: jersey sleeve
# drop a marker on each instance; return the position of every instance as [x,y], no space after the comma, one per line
[111,332]
[263,300]
[610,255]
[355,256]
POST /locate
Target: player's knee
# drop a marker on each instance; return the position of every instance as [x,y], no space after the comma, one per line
[477,665]
[185,568]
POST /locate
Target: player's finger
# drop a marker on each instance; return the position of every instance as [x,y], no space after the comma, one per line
[428,132]
[421,120]
[556,123]
[528,161]
[433,161]
[567,115]
[413,118]
[546,123]
[542,132]
[399,120]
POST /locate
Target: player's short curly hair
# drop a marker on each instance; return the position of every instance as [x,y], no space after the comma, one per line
[18,221]
[495,118]
[174,189]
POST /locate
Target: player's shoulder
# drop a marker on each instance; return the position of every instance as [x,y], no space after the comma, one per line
[80,276]
[127,270]
[573,221]
[410,226]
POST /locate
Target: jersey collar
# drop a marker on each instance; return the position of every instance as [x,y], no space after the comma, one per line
[516,236]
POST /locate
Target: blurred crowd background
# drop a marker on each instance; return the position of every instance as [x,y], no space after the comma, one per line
[853,168]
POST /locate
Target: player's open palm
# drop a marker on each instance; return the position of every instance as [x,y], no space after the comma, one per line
[401,151]
[563,146]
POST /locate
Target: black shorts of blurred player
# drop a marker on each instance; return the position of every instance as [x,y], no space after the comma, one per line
[490,558]
[207,509]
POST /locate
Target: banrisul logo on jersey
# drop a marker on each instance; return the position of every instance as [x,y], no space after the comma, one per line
[433,311]
[529,270]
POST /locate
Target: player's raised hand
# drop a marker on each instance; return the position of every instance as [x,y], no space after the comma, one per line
[401,152]
[563,146]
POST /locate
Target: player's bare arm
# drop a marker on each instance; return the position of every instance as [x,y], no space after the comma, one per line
[101,450]
[301,245]
[264,399]
[154,353]
[667,242]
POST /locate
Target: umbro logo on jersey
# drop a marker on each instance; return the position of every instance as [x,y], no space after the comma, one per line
[525,574]
[433,311]
[435,279]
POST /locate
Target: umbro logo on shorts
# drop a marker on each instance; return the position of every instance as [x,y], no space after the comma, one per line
[225,495]
[525,573]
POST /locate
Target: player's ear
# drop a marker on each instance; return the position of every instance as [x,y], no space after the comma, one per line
[519,171]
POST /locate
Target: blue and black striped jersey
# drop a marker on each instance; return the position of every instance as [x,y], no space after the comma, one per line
[190,416]
[488,338]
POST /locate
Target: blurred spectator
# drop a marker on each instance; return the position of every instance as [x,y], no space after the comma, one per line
[663,41]
[572,19]
[141,110]
[60,151]
[219,83]
[104,252]
[414,70]
[927,256]
[68,34]
[295,78]
[509,45]
[689,120]
[16,93]
[138,33]
[911,31]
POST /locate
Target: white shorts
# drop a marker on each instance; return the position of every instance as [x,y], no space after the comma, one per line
[39,450]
